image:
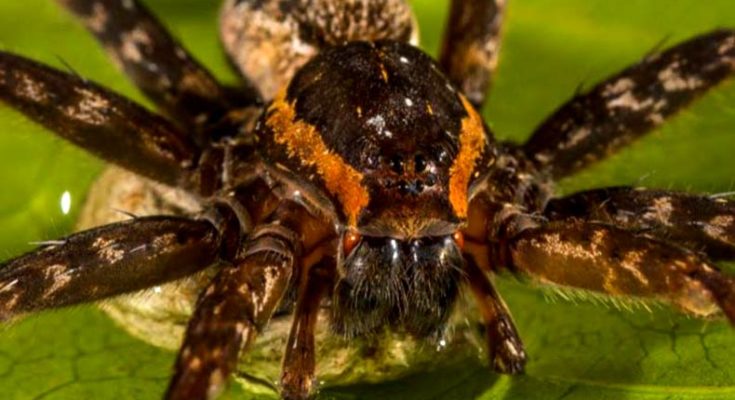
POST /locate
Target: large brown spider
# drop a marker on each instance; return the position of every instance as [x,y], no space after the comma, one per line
[366,182]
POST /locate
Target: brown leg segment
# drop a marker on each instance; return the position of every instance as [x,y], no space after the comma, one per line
[104,123]
[159,65]
[696,222]
[106,261]
[471,45]
[299,362]
[611,260]
[232,310]
[505,348]
[630,104]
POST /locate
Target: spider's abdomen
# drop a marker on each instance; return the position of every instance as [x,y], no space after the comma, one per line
[383,133]
[269,40]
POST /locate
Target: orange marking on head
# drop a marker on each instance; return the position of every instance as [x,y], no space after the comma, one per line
[303,141]
[429,109]
[384,72]
[471,147]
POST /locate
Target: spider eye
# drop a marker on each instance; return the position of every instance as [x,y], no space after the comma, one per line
[419,163]
[459,239]
[396,164]
[350,241]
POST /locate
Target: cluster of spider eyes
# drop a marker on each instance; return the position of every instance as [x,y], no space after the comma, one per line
[418,166]
[397,163]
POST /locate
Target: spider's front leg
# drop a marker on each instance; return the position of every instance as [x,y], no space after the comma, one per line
[240,301]
[106,261]
[604,258]
[698,222]
[630,104]
[701,223]
[160,66]
[471,46]
[235,306]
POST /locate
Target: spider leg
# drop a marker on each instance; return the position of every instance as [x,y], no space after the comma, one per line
[299,361]
[106,261]
[238,303]
[96,119]
[603,258]
[234,307]
[471,45]
[630,104]
[505,348]
[160,66]
[696,222]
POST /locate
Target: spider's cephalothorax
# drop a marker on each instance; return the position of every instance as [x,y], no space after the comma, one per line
[380,130]
[356,175]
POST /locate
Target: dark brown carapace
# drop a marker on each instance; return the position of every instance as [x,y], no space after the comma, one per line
[352,172]
[393,152]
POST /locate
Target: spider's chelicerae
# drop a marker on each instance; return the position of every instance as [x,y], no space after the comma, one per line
[352,173]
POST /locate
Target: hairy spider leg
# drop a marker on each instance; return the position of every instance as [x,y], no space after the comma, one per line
[594,124]
[106,261]
[241,300]
[637,256]
[618,241]
[603,258]
[235,306]
[98,120]
[163,69]
[698,222]
[471,45]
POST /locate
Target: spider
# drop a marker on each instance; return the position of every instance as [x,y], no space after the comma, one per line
[351,171]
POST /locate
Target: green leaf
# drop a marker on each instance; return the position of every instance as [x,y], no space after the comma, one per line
[578,351]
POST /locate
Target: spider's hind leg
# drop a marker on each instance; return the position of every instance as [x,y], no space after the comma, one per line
[471,46]
[162,68]
[106,261]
